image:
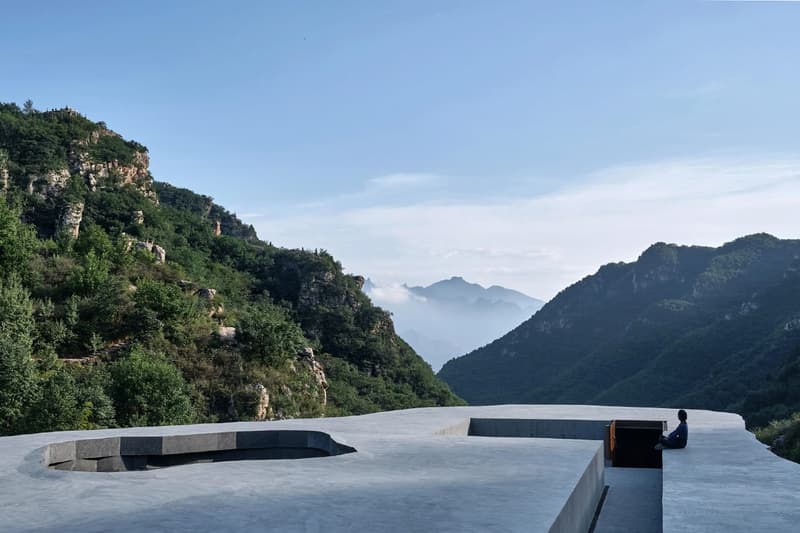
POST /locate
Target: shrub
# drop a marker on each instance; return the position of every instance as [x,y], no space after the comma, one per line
[148,390]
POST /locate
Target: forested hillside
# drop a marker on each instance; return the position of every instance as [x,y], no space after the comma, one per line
[125,301]
[715,328]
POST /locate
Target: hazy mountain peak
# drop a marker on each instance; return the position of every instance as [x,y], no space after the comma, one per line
[452,316]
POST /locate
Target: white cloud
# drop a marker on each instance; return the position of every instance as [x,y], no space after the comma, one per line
[542,243]
[393,294]
[389,188]
[404,180]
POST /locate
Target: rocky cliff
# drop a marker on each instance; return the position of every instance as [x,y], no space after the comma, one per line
[56,154]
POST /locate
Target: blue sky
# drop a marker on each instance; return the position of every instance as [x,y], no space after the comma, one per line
[343,125]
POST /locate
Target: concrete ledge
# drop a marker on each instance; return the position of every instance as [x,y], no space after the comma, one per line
[60,452]
[579,509]
[122,454]
[462,428]
[207,442]
[140,445]
[96,448]
[539,428]
[256,439]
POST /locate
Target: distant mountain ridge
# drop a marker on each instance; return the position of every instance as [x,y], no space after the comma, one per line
[693,326]
[457,288]
[452,316]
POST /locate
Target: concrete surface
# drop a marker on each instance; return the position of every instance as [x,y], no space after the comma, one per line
[414,470]
[633,501]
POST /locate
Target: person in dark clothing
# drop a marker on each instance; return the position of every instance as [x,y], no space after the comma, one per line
[678,438]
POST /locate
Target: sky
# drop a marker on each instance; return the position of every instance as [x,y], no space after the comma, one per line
[523,144]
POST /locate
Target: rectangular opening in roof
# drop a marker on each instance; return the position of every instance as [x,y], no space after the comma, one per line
[628,443]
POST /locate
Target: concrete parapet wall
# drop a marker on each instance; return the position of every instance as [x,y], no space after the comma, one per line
[579,509]
[462,428]
[121,454]
[535,428]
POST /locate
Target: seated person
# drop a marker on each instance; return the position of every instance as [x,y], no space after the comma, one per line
[676,439]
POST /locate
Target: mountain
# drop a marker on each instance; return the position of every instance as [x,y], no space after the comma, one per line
[692,326]
[452,316]
[125,301]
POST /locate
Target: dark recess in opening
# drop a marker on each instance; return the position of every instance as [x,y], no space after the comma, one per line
[632,443]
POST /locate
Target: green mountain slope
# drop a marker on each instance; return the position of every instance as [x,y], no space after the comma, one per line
[691,326]
[125,301]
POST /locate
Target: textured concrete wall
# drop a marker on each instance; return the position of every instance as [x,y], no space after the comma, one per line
[461,428]
[577,514]
[121,454]
[543,429]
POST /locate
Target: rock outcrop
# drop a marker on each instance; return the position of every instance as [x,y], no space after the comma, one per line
[792,324]
[216,310]
[262,406]
[83,161]
[321,289]
[49,184]
[227,333]
[158,251]
[3,171]
[114,172]
[71,219]
[206,293]
[308,358]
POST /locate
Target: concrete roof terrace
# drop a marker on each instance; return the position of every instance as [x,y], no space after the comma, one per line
[413,470]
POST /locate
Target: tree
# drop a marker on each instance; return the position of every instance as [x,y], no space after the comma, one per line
[17,241]
[163,306]
[89,277]
[93,238]
[70,397]
[17,371]
[56,406]
[27,107]
[269,335]
[97,409]
[148,390]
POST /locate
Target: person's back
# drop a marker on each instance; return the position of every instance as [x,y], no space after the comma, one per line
[679,437]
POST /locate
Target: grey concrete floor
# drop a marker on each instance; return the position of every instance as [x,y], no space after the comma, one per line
[633,501]
[415,470]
